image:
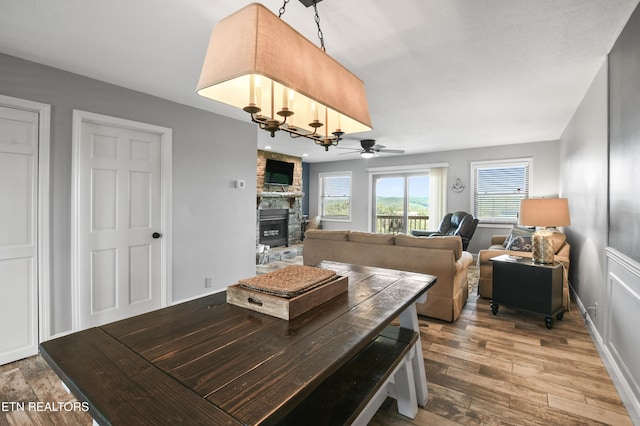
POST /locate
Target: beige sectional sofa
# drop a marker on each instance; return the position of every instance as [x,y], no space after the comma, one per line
[439,256]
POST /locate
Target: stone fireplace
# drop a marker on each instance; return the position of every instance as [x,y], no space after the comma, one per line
[282,201]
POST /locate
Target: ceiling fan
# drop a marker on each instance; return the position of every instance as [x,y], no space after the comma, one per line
[370,148]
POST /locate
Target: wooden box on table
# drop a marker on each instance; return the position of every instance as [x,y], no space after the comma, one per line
[287,293]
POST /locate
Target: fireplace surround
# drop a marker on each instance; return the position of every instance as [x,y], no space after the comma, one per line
[287,204]
[284,197]
[273,227]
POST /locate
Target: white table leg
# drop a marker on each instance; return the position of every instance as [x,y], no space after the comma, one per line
[409,320]
[406,388]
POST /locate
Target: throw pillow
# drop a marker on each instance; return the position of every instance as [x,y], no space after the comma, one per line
[520,244]
[518,231]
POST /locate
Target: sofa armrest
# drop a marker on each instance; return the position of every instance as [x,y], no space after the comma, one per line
[464,262]
[498,240]
[486,254]
[563,254]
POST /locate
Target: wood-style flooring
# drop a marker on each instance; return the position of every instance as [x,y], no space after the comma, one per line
[507,369]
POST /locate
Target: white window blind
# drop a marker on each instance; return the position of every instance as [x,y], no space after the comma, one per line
[335,196]
[498,188]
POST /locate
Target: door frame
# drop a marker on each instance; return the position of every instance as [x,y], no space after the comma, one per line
[166,140]
[44,140]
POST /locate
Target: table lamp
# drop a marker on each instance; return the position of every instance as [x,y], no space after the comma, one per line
[544,213]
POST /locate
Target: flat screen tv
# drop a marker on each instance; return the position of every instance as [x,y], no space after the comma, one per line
[278,172]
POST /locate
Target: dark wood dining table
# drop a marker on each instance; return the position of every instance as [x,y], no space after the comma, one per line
[209,362]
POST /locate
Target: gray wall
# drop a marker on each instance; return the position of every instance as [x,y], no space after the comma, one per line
[583,177]
[545,178]
[624,140]
[213,223]
[596,275]
[622,312]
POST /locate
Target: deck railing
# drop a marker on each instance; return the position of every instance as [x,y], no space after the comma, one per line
[389,224]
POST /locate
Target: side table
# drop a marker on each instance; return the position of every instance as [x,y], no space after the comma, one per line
[522,284]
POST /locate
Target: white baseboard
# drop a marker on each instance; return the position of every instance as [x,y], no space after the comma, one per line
[631,403]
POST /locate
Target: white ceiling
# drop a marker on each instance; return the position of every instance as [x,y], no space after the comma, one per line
[439,74]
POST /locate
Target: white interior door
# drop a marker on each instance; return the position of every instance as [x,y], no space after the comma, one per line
[18,234]
[119,223]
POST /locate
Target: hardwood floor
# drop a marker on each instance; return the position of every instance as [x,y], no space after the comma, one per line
[507,369]
[510,369]
[31,381]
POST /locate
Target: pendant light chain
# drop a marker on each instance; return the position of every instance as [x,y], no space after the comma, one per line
[282,8]
[317,18]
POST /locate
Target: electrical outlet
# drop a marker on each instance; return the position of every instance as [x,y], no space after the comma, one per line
[208,282]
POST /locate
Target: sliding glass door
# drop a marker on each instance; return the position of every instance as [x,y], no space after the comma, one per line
[401,202]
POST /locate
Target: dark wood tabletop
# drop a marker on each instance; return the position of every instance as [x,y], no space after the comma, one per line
[210,361]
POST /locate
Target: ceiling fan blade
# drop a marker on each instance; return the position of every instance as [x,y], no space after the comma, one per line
[352,152]
[391,151]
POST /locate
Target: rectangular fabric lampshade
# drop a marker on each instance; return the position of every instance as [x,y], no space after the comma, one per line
[544,213]
[254,57]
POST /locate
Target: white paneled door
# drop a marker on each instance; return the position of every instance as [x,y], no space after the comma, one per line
[120,221]
[18,234]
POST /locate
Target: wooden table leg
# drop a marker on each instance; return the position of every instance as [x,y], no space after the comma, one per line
[409,320]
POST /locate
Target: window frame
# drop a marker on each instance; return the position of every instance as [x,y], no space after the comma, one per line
[321,196]
[494,164]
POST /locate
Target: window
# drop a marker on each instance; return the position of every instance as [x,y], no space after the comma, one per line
[335,196]
[401,202]
[498,187]
[405,198]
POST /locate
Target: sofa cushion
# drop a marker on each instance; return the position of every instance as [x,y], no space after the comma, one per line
[369,238]
[321,234]
[443,243]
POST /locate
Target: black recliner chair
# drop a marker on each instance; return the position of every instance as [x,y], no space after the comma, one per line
[458,223]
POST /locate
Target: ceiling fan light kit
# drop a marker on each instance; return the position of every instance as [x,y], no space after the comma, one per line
[367,153]
[258,63]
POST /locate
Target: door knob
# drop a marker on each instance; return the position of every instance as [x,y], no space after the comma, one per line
[156,235]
